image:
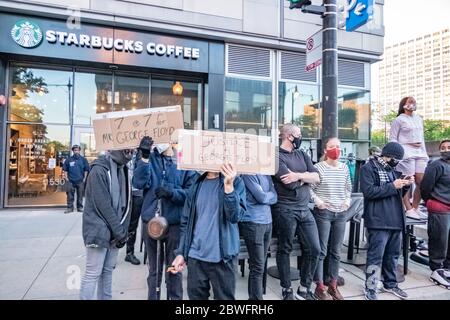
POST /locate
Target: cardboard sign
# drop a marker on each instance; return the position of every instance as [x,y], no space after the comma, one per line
[209,150]
[125,129]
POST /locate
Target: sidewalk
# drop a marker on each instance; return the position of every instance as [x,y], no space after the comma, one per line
[42,257]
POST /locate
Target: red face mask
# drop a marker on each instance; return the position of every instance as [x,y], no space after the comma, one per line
[333,154]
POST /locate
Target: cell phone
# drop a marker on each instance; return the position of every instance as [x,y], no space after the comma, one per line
[405,177]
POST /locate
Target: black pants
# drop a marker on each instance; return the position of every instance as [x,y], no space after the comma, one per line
[202,275]
[439,240]
[72,188]
[134,221]
[167,255]
[382,257]
[300,223]
[257,239]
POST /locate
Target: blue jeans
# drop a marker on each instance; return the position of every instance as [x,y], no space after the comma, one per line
[382,257]
[331,227]
[290,223]
[204,275]
[257,239]
[100,263]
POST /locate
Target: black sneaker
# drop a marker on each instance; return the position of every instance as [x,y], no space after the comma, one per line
[396,291]
[370,294]
[131,258]
[287,294]
[68,210]
[80,209]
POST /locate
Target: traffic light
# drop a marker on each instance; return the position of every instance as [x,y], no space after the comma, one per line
[299,3]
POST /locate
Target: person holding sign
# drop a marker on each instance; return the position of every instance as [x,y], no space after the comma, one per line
[291,214]
[209,235]
[156,173]
[105,221]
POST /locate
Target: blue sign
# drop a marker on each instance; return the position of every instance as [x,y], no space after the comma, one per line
[359,12]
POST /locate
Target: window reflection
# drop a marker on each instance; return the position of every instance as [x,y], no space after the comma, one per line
[40,95]
[299,104]
[36,156]
[165,93]
[248,106]
[93,95]
[131,92]
[353,114]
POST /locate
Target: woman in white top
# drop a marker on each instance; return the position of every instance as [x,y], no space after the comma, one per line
[407,129]
[332,196]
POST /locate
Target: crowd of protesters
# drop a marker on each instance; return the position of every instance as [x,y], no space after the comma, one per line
[208,212]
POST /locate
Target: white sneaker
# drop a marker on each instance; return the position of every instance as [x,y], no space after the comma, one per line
[412,214]
[439,278]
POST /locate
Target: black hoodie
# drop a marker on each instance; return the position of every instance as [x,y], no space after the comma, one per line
[102,225]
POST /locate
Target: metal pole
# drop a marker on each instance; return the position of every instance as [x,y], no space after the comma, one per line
[329,70]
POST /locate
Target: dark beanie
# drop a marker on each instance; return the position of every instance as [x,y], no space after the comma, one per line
[393,150]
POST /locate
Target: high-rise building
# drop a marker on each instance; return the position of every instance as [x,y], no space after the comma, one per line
[420,68]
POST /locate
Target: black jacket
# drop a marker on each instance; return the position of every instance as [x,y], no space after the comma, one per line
[383,207]
[102,226]
[436,182]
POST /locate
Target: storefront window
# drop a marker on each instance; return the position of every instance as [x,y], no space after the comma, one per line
[131,92]
[299,104]
[248,106]
[184,93]
[36,155]
[93,95]
[40,95]
[353,114]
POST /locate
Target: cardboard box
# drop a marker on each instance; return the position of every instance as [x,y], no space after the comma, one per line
[209,150]
[125,129]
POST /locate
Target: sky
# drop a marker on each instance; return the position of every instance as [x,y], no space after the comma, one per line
[407,19]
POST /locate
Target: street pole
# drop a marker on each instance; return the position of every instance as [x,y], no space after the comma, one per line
[329,70]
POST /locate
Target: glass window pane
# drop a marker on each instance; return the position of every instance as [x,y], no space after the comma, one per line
[248,106]
[353,114]
[131,92]
[93,94]
[299,104]
[36,156]
[40,95]
[184,93]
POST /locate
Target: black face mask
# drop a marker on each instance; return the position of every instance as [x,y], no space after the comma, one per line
[445,155]
[393,162]
[76,155]
[296,143]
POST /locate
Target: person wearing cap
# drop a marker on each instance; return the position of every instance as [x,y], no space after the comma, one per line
[105,221]
[75,170]
[157,175]
[384,218]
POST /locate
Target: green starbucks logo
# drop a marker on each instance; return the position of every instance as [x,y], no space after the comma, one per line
[26,34]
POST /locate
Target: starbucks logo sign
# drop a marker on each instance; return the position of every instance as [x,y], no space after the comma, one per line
[26,34]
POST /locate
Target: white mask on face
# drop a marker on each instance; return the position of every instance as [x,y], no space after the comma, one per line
[410,107]
[161,147]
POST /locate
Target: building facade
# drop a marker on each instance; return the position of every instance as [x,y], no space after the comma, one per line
[237,65]
[421,68]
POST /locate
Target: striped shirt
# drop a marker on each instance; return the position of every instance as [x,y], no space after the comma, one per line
[334,188]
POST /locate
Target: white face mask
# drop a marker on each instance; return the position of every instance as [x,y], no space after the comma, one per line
[410,107]
[161,147]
